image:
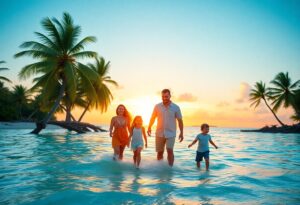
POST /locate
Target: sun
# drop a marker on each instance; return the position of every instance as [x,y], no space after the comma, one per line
[142,106]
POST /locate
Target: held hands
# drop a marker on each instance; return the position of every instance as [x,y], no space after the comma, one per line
[149,132]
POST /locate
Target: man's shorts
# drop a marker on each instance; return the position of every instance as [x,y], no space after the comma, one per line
[161,142]
[200,155]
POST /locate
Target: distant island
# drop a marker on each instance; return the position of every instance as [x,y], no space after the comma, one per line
[275,129]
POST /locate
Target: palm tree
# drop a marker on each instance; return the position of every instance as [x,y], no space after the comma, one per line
[21,98]
[260,92]
[296,116]
[104,96]
[283,92]
[58,67]
[1,77]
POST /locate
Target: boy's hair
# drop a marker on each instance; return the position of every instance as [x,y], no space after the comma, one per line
[204,125]
[166,91]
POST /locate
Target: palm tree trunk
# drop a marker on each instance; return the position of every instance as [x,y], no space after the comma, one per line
[68,113]
[282,124]
[42,125]
[72,117]
[32,114]
[86,108]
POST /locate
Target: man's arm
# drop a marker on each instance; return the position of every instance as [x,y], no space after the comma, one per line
[152,120]
[145,137]
[180,124]
[211,142]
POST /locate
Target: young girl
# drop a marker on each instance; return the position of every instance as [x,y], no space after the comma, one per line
[118,131]
[137,133]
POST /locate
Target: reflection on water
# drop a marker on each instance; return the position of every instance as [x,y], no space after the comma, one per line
[64,168]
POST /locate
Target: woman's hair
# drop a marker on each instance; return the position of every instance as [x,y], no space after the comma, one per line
[204,125]
[126,113]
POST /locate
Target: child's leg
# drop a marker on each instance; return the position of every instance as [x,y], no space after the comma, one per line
[134,157]
[198,164]
[138,156]
[207,163]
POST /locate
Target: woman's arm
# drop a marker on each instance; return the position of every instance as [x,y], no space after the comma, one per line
[111,126]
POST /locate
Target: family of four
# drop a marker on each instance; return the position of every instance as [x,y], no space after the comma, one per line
[124,133]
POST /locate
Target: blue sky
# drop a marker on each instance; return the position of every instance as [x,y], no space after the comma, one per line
[206,48]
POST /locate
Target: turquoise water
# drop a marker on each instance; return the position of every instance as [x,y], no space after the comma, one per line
[63,168]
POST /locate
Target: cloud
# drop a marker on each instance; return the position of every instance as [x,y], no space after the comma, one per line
[244,92]
[223,104]
[186,97]
[241,109]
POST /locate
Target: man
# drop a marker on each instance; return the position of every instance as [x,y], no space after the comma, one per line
[166,113]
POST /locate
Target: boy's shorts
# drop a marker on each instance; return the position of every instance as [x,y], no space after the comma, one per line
[200,155]
[161,142]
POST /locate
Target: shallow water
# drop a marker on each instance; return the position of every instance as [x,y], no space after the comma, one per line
[64,168]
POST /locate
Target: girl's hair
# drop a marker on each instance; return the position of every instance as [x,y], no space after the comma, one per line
[135,119]
[126,113]
[204,125]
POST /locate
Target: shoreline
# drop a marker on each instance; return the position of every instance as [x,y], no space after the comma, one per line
[23,125]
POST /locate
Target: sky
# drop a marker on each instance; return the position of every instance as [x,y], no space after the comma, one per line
[209,53]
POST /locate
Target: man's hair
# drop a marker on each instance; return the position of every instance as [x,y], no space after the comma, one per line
[166,91]
[204,125]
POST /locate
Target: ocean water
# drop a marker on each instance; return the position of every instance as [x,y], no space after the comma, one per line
[58,167]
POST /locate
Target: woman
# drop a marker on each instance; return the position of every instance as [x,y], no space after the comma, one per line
[119,131]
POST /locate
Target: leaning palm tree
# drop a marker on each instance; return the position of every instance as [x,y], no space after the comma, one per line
[57,53]
[260,92]
[104,96]
[1,77]
[283,92]
[21,98]
[296,116]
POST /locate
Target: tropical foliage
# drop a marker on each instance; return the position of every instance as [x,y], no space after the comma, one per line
[60,79]
[17,104]
[259,93]
[2,78]
[283,93]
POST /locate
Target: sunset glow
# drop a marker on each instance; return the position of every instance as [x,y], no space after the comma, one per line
[209,60]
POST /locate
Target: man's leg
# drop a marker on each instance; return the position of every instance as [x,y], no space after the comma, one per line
[160,155]
[160,147]
[170,146]
[170,156]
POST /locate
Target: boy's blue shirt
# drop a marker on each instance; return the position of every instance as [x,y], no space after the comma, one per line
[203,141]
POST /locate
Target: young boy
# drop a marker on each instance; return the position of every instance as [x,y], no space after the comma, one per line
[203,148]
